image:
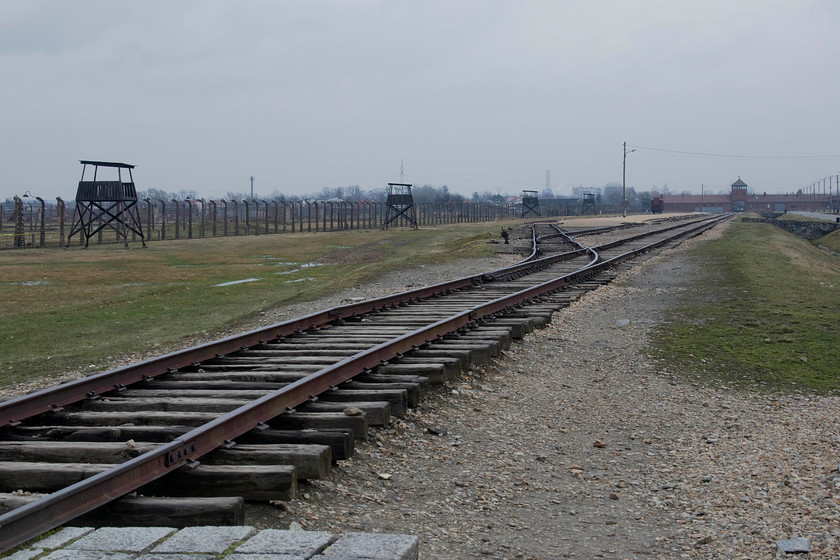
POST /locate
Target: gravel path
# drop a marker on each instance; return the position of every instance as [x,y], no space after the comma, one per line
[577,444]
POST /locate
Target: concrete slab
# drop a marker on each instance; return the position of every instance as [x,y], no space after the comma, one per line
[176,556]
[235,556]
[294,543]
[63,537]
[370,546]
[208,543]
[123,539]
[26,554]
[211,540]
[67,554]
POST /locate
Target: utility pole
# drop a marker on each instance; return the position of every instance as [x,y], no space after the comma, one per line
[252,187]
[623,181]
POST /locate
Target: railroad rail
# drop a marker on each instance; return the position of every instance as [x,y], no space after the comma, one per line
[263,386]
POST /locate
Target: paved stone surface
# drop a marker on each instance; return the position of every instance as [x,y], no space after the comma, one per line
[66,554]
[178,556]
[296,543]
[64,536]
[26,554]
[374,547]
[122,539]
[213,543]
[205,539]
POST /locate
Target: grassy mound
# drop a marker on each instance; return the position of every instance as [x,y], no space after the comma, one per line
[764,312]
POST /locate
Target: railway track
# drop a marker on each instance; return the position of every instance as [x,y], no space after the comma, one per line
[245,417]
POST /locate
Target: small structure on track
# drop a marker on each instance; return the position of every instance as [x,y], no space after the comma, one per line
[101,204]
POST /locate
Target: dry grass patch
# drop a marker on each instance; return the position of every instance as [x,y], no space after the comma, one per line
[84,309]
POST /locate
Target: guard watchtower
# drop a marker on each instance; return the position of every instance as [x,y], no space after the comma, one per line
[530,203]
[400,204]
[588,204]
[101,204]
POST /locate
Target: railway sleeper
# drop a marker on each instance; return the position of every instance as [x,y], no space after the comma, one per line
[312,461]
[397,398]
[251,482]
[413,390]
[188,391]
[367,328]
[137,418]
[280,350]
[431,354]
[287,421]
[500,334]
[358,425]
[539,319]
[377,413]
[272,366]
[519,326]
[479,352]
[145,511]
[434,372]
[340,441]
[251,376]
[174,404]
[451,366]
[171,384]
[238,360]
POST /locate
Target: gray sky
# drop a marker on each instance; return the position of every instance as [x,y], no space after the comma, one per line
[477,95]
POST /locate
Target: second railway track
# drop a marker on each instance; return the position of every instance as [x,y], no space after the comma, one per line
[245,417]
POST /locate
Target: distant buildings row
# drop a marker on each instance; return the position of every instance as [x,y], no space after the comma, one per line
[739,200]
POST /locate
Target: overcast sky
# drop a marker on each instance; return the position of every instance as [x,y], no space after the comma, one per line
[477,95]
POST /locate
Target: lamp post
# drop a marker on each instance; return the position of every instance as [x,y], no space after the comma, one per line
[623,181]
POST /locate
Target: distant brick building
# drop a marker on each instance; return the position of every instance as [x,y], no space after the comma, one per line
[739,200]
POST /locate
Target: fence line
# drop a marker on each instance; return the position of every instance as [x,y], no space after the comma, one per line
[40,224]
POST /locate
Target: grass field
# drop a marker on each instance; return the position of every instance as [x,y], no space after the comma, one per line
[78,309]
[775,320]
[777,326]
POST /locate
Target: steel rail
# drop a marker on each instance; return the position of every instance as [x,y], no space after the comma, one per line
[44,514]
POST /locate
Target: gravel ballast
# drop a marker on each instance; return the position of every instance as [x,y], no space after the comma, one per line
[577,444]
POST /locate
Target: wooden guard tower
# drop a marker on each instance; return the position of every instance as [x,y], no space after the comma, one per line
[530,204]
[101,204]
[400,203]
[588,204]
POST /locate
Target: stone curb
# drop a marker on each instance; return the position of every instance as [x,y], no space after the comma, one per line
[212,543]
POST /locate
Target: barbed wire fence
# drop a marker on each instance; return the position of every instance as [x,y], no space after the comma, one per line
[43,224]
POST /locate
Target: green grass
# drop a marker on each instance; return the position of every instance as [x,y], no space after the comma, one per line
[80,309]
[764,312]
[792,217]
[831,241]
